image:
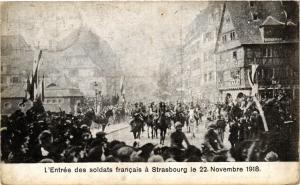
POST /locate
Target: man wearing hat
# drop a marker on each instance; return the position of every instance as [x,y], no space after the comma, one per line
[178,137]
[100,139]
[212,139]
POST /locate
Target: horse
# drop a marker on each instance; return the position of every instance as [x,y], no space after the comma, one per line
[101,119]
[137,125]
[163,123]
[192,122]
[151,122]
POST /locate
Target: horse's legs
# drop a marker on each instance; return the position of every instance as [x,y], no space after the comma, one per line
[152,132]
[164,136]
[148,127]
[103,127]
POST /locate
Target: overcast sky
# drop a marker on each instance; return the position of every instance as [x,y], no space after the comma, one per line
[139,33]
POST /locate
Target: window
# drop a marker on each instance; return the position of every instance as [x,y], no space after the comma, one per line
[232,35]
[224,38]
[48,101]
[14,79]
[251,4]
[227,19]
[267,52]
[234,55]
[54,101]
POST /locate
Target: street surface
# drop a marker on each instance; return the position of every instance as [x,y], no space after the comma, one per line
[122,132]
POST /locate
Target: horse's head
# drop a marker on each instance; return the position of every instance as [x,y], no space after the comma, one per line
[109,113]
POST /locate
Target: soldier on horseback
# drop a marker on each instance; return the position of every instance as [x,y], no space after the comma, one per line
[179,111]
[136,115]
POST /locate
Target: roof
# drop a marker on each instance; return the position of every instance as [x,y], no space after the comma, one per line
[271,21]
[16,42]
[247,29]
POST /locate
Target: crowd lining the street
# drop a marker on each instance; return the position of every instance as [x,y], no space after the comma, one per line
[39,136]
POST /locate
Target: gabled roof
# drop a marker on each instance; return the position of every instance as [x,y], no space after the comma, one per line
[271,21]
[246,28]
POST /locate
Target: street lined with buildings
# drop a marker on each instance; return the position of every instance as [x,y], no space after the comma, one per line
[223,88]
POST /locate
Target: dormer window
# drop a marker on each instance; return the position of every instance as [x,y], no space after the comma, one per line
[254,16]
[272,30]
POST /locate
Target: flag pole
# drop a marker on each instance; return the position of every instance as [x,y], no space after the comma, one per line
[254,87]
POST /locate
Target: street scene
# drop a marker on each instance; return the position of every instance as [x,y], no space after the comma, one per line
[149,82]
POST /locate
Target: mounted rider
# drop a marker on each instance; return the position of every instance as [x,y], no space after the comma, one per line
[137,115]
[179,111]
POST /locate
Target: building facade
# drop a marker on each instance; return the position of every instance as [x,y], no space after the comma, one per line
[199,53]
[263,34]
[15,52]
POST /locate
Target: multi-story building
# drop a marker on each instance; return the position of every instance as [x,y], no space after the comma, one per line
[263,33]
[199,54]
[15,52]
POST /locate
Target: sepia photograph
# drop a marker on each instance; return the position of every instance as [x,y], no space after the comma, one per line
[148,82]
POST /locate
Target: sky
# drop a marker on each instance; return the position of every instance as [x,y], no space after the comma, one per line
[139,33]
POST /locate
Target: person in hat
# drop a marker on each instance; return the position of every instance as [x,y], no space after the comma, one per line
[221,125]
[178,137]
[212,140]
[100,139]
[136,116]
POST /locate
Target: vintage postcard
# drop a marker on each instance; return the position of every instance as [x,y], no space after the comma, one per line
[199,92]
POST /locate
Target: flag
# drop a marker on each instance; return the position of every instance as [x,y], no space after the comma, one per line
[43,89]
[253,71]
[254,86]
[29,92]
[34,82]
[40,90]
[122,90]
